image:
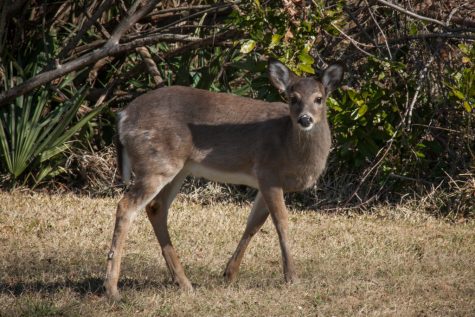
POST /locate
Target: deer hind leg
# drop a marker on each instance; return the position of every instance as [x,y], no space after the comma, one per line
[139,194]
[256,219]
[157,212]
[274,198]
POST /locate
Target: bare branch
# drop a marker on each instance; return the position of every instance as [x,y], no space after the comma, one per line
[432,35]
[150,64]
[96,55]
[98,43]
[91,78]
[408,114]
[75,40]
[217,39]
[86,60]
[383,152]
[353,41]
[126,23]
[380,30]
[410,13]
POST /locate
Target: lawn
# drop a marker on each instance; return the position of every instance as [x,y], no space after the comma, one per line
[390,261]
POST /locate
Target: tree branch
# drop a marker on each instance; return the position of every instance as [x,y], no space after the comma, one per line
[86,60]
[410,13]
[353,41]
[75,40]
[431,35]
[140,68]
[126,23]
[150,64]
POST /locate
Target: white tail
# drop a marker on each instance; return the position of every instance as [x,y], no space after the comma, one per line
[175,131]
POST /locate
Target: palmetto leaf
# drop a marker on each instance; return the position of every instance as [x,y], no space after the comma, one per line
[31,136]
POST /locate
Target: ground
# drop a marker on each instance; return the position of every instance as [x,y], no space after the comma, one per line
[390,261]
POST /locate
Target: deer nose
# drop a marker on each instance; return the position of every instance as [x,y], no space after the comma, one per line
[305,121]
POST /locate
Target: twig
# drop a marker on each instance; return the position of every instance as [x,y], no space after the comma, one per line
[150,64]
[431,35]
[91,78]
[353,41]
[410,13]
[408,113]
[86,60]
[383,152]
[435,128]
[190,8]
[166,27]
[98,43]
[380,29]
[451,14]
[98,54]
[100,27]
[406,178]
[127,23]
[217,39]
[75,40]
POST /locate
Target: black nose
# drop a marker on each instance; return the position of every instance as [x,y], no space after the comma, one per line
[305,120]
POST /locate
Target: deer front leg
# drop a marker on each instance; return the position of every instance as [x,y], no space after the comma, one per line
[274,199]
[257,217]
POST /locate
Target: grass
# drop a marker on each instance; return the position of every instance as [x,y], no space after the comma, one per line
[393,261]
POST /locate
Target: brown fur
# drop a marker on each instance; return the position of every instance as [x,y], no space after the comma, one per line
[173,131]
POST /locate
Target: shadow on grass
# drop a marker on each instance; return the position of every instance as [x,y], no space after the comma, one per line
[87,286]
[200,277]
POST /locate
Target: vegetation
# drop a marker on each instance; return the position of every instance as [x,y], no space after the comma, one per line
[403,124]
[396,261]
[401,175]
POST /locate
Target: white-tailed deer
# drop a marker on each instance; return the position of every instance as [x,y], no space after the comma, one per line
[173,132]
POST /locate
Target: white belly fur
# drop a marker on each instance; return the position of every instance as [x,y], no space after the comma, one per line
[199,170]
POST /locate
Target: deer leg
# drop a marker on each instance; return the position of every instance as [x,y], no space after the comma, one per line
[274,198]
[157,212]
[136,198]
[256,219]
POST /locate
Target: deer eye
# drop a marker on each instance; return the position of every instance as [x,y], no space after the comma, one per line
[318,100]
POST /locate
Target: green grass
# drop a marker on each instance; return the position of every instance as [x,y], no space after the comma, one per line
[393,261]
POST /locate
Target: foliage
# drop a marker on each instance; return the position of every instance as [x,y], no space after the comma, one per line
[35,130]
[403,121]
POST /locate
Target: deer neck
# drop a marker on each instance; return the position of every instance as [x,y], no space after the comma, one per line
[310,145]
[308,150]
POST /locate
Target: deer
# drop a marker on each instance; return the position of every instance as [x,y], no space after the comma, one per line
[175,131]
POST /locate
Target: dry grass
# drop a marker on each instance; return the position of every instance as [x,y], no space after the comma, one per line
[394,261]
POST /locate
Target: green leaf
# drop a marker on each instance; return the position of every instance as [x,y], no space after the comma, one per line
[306,68]
[362,110]
[419,154]
[50,153]
[467,107]
[306,59]
[275,40]
[413,29]
[307,25]
[33,132]
[464,48]
[248,46]
[458,94]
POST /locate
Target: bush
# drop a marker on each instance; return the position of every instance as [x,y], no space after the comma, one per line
[403,122]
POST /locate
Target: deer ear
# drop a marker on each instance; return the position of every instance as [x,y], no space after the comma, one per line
[280,75]
[332,77]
